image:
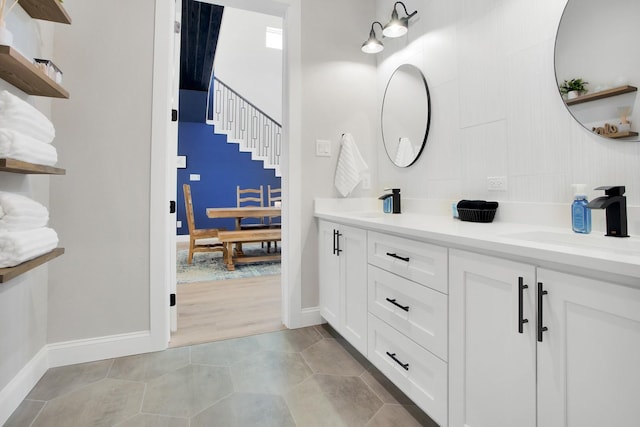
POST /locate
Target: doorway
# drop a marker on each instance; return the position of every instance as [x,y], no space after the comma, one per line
[213,306]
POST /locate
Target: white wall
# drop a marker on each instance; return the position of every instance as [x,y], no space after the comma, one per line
[496,108]
[338,94]
[23,300]
[244,63]
[101,208]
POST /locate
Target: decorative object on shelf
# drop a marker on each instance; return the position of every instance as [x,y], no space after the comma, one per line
[50,69]
[6,38]
[573,88]
[396,27]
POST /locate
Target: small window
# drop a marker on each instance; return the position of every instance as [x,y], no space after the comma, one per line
[274,38]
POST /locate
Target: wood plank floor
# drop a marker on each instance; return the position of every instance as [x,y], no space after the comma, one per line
[223,309]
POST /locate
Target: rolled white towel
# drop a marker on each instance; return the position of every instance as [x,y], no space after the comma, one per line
[17,247]
[350,167]
[18,212]
[405,154]
[18,146]
[19,115]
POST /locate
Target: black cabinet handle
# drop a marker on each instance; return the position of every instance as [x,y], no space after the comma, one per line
[393,301]
[541,328]
[393,356]
[521,319]
[338,250]
[398,256]
[334,240]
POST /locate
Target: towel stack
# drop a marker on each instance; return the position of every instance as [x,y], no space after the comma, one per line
[23,231]
[25,133]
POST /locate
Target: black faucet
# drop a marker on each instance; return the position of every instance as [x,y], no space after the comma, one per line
[395,199]
[615,206]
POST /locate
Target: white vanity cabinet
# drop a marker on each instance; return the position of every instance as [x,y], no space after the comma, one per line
[492,365]
[529,343]
[342,265]
[408,309]
[589,357]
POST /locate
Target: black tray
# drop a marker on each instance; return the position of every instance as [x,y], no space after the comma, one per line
[476,215]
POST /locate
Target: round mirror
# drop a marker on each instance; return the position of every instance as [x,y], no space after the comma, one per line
[406,114]
[594,44]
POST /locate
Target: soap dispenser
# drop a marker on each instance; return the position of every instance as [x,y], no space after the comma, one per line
[580,213]
[391,202]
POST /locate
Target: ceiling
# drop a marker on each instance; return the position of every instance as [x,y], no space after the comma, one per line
[199,38]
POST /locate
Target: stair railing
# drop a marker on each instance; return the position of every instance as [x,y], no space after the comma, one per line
[244,123]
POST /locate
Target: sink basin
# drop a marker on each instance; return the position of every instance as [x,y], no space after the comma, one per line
[626,245]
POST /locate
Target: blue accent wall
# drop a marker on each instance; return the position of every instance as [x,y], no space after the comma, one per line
[221,166]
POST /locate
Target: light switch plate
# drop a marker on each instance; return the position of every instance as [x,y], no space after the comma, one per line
[194,177]
[366,181]
[323,148]
[181,162]
[178,224]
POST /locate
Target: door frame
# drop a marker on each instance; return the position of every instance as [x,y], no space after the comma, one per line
[163,163]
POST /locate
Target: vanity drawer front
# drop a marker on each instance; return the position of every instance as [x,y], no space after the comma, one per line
[424,377]
[417,261]
[417,311]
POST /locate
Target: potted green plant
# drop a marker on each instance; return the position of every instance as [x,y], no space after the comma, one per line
[573,88]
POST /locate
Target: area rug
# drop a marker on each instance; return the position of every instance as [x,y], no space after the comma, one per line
[209,266]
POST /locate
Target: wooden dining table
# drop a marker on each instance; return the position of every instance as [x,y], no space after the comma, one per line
[238,214]
[244,212]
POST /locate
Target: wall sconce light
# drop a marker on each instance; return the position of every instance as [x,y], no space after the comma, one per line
[396,27]
[373,45]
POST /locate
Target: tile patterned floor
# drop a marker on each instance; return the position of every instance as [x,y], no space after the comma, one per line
[303,377]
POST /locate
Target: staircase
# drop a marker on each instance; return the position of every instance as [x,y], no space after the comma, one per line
[244,124]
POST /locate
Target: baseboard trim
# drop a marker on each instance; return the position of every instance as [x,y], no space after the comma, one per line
[310,317]
[182,238]
[92,349]
[19,387]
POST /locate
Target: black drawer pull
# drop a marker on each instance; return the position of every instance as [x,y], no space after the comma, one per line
[393,301]
[521,319]
[393,356]
[398,256]
[541,327]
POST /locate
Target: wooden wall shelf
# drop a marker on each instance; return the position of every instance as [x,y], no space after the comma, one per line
[47,10]
[619,135]
[23,74]
[18,166]
[601,95]
[9,273]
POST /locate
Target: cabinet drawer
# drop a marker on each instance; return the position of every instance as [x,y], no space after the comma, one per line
[417,261]
[424,377]
[416,311]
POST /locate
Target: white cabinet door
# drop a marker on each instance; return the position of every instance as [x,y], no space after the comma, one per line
[342,263]
[492,366]
[589,357]
[352,244]
[329,273]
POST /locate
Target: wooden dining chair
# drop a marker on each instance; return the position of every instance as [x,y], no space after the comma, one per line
[200,239]
[274,195]
[250,197]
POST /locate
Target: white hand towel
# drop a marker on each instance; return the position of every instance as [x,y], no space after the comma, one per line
[18,212]
[350,167]
[405,154]
[19,115]
[17,247]
[16,145]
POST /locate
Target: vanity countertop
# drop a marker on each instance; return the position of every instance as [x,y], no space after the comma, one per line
[552,247]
